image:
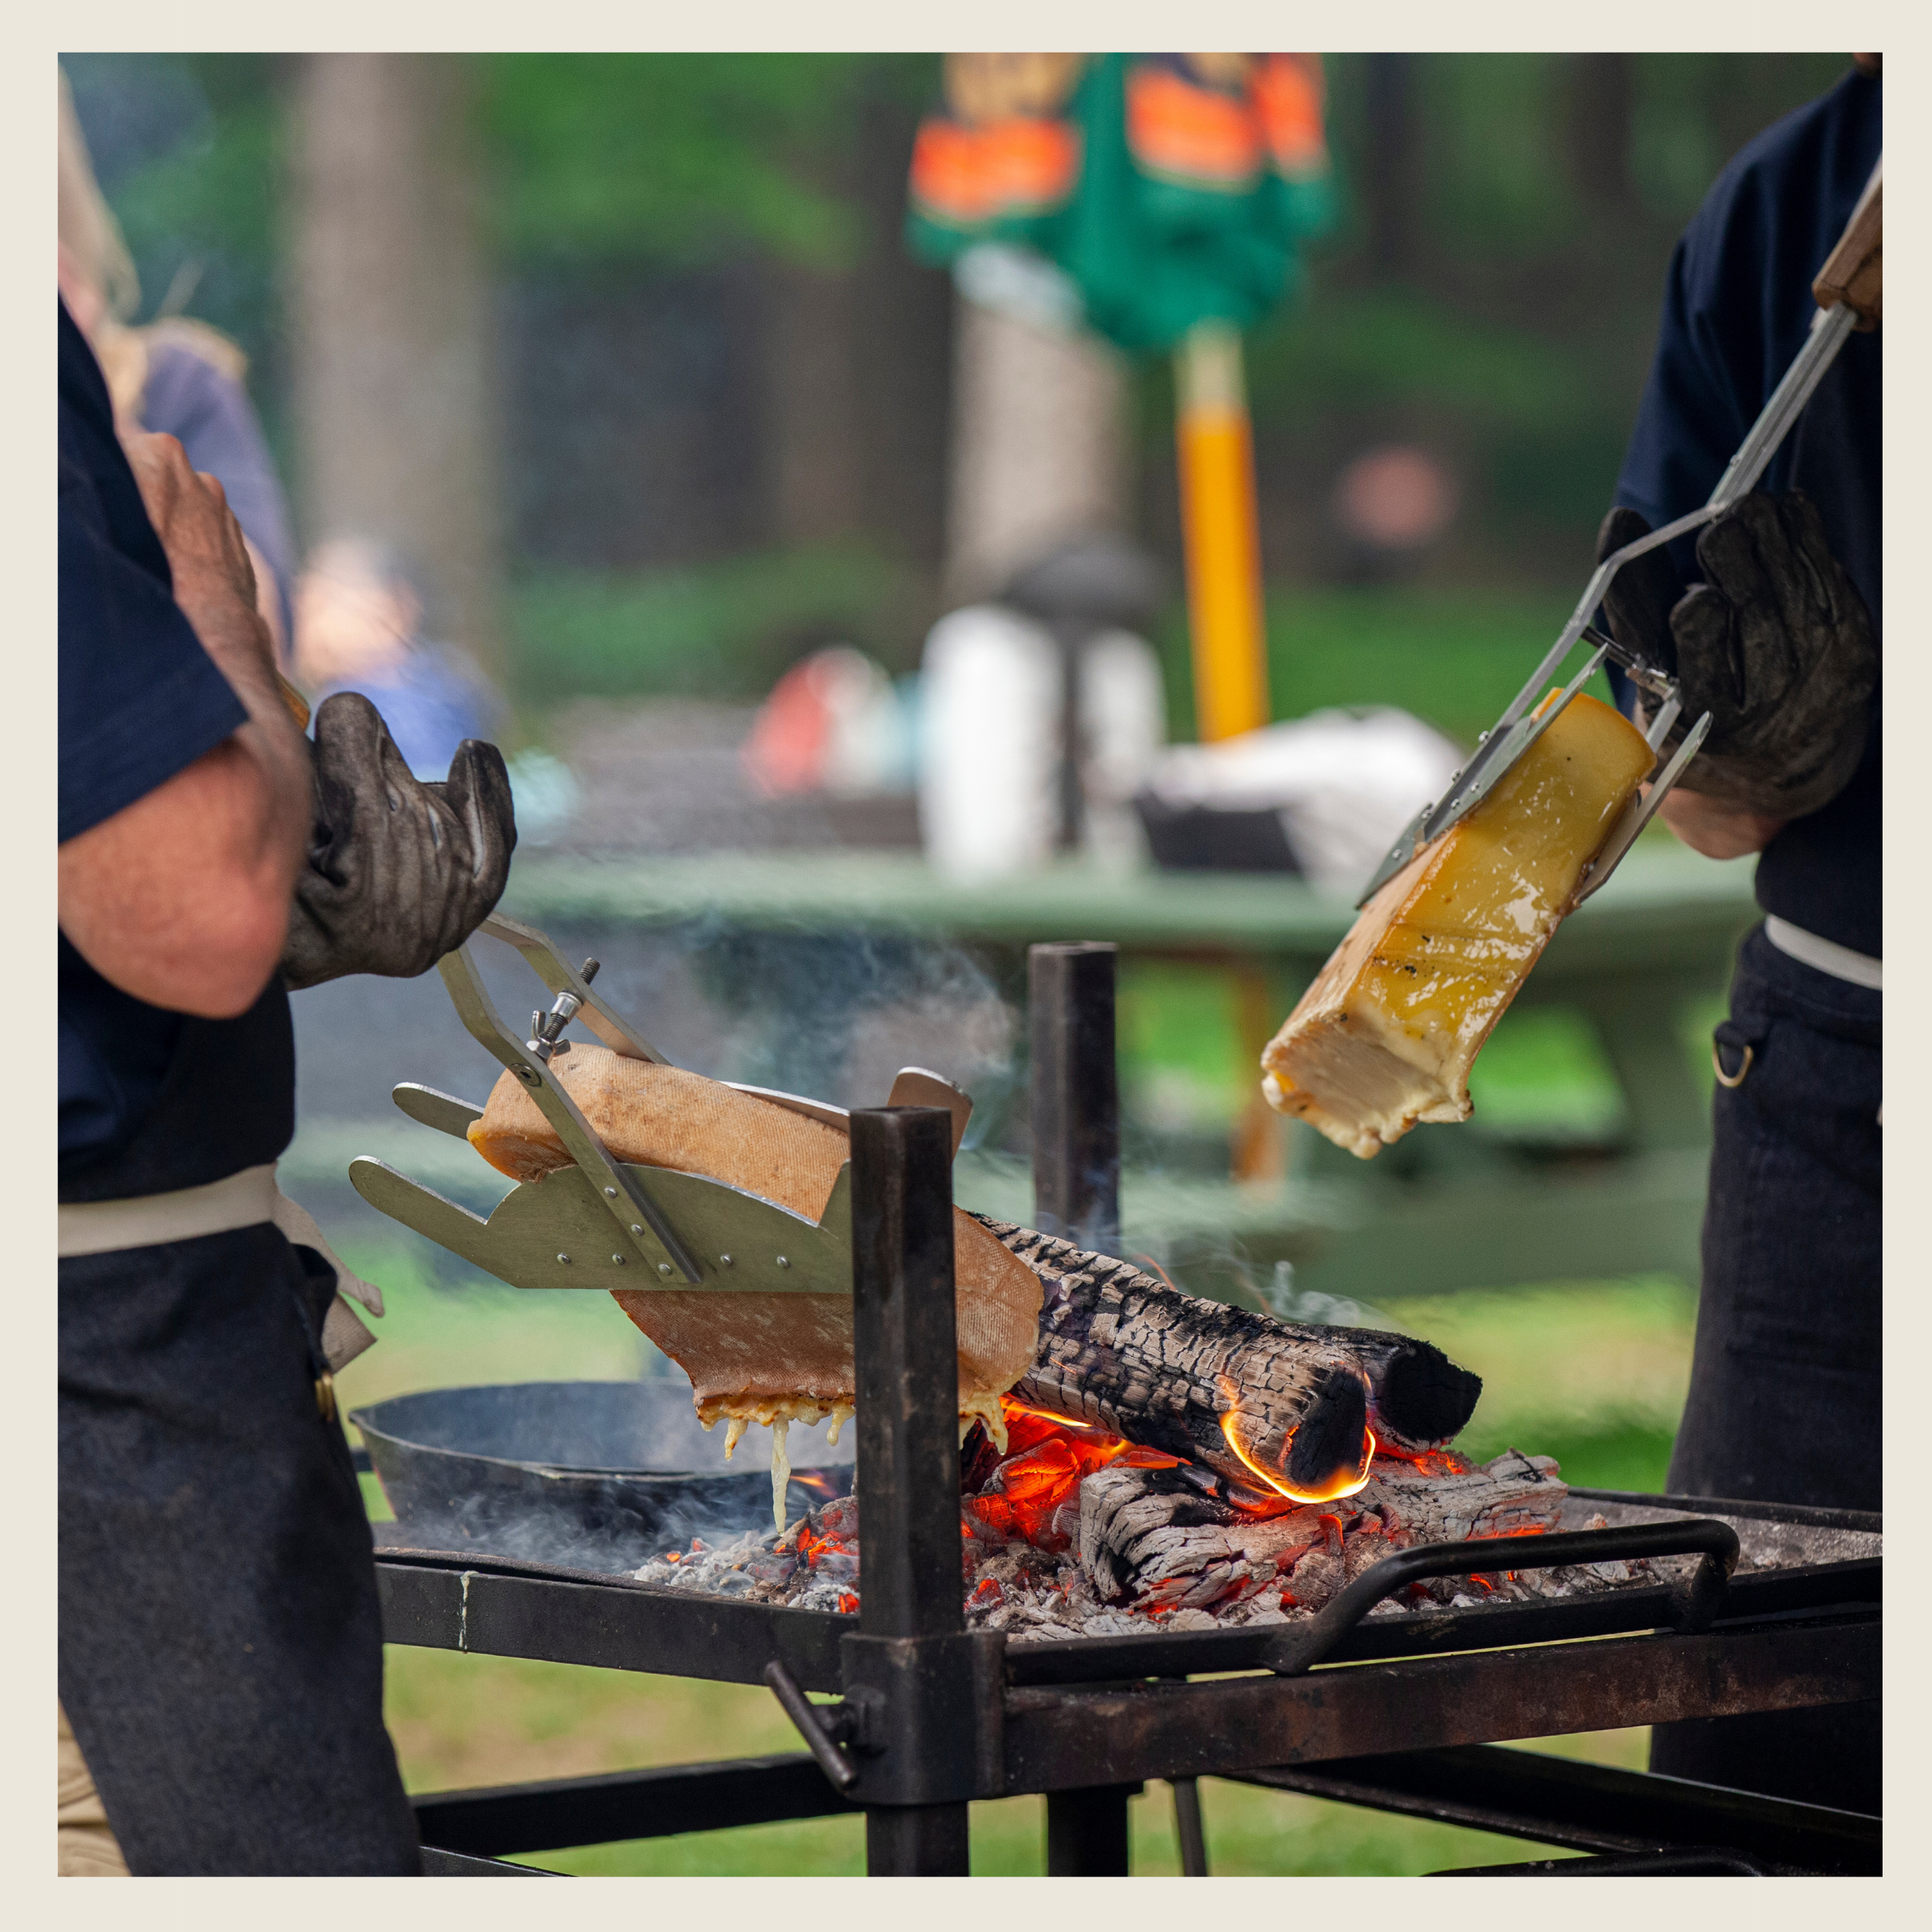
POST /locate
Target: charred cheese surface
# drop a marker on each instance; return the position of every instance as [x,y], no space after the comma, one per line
[1386,1036]
[753,1356]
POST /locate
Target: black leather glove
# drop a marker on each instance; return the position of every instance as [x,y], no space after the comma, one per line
[1776,644]
[399,872]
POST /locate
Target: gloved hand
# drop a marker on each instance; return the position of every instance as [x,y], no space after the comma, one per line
[1776,644]
[399,872]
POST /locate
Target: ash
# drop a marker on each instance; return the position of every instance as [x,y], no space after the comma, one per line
[1115,1547]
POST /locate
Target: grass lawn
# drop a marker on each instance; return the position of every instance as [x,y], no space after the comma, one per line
[1593,1373]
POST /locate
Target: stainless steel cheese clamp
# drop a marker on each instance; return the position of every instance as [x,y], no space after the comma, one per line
[604,1223]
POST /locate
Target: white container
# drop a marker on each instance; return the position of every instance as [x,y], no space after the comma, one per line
[990,732]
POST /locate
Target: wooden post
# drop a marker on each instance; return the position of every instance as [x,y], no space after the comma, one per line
[1219,528]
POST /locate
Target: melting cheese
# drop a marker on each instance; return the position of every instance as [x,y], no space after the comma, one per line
[1386,1036]
[780,1472]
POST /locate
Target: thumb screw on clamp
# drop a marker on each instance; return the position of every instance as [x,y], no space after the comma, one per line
[547,1028]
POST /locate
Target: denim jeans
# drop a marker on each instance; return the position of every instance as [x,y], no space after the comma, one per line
[1785,1395]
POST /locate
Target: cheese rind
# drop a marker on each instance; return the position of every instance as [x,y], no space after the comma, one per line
[753,1355]
[1386,1036]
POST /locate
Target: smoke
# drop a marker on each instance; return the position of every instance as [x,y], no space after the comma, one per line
[832,1016]
[606,1524]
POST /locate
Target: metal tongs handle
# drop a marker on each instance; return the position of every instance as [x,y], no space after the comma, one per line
[629,1202]
[1848,291]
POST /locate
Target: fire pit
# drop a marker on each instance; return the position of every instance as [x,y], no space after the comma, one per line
[1697,1608]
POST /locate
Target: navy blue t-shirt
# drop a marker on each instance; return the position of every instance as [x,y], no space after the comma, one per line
[140,700]
[1736,308]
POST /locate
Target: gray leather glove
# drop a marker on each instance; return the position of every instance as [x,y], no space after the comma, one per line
[1776,644]
[399,872]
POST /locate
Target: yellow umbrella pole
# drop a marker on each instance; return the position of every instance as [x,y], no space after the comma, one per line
[1219,531]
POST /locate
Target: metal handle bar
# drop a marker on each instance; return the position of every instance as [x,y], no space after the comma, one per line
[1714,1542]
[833,1759]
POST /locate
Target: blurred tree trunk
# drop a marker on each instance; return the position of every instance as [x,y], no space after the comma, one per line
[814,421]
[391,336]
[1040,450]
[1394,149]
[903,332]
[1598,108]
[856,361]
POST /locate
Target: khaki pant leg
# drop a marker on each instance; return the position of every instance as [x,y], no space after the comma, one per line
[88,1846]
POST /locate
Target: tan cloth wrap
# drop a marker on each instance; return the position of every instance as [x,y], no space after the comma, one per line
[88,1846]
[243,1200]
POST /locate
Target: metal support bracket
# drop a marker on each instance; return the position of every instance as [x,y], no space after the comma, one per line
[928,1716]
[562,979]
[825,1727]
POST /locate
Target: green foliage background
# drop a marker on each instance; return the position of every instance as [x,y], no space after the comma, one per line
[1516,341]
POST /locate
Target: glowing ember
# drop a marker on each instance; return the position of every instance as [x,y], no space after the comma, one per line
[1040,1476]
[1345,1482]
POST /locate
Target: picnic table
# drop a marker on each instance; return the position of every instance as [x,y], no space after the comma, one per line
[1446,1208]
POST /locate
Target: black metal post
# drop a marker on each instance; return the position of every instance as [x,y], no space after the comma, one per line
[1076,1194]
[1187,1828]
[1076,1095]
[1086,1832]
[905,1349]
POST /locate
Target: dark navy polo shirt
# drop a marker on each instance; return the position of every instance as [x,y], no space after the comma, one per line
[1736,307]
[140,700]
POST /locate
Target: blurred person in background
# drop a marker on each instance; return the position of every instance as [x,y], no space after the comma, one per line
[1771,615]
[174,377]
[358,617]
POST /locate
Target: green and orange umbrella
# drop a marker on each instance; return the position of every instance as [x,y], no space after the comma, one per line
[1175,192]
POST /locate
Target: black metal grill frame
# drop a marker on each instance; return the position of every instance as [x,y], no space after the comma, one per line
[1401,1714]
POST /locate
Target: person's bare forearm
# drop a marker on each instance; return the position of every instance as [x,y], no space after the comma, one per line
[237,640]
[268,602]
[182,899]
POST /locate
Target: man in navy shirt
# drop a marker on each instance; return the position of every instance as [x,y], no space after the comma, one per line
[1785,1402]
[220,1665]
[220,1647]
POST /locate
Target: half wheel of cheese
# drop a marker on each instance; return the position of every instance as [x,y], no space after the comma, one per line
[757,1356]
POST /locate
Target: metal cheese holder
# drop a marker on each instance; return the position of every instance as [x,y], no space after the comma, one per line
[1846,290]
[604,1223]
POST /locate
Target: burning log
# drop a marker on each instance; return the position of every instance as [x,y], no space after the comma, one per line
[1247,1395]
[1180,1538]
[1443,1498]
